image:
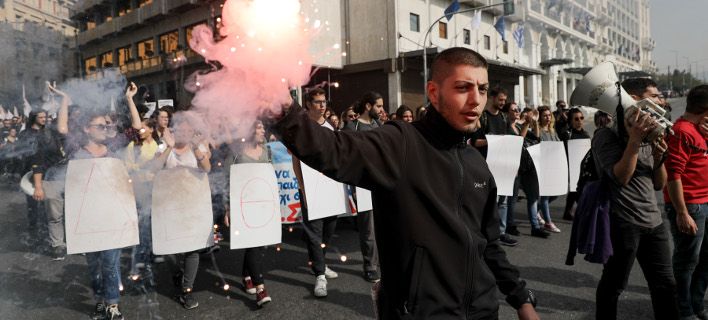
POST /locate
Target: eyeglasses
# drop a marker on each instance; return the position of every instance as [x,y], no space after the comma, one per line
[103,127]
[320,102]
[351,116]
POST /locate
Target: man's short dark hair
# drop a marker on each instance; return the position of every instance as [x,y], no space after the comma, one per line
[697,100]
[497,91]
[573,111]
[637,86]
[310,96]
[370,98]
[452,57]
[559,102]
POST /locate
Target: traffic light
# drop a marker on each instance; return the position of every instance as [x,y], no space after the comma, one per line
[508,7]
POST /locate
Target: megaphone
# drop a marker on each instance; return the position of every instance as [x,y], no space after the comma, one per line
[600,89]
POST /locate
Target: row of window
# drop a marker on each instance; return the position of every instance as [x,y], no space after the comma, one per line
[442,33]
[169,43]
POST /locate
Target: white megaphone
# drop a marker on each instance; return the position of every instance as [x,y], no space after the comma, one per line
[600,89]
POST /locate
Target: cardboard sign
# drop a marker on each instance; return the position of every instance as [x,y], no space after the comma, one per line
[551,167]
[290,209]
[325,197]
[255,206]
[503,159]
[99,206]
[182,218]
[577,149]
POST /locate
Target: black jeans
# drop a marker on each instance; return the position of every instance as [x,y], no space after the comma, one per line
[253,264]
[650,246]
[318,232]
[185,264]
[367,240]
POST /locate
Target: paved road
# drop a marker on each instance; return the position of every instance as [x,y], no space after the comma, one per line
[34,287]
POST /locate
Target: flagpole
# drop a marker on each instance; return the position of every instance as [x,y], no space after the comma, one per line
[425,43]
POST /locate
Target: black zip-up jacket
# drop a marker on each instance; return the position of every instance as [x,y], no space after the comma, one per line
[436,222]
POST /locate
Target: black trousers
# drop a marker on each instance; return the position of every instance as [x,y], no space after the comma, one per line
[650,246]
[253,265]
[316,233]
[367,240]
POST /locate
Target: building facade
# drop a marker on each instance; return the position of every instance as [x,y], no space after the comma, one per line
[562,39]
[36,45]
[379,44]
[148,40]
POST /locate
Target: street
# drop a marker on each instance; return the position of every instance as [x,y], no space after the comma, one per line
[35,287]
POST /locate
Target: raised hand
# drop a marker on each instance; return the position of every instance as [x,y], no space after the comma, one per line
[53,89]
[131,90]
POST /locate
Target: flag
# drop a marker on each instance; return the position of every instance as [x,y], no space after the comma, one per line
[17,114]
[519,35]
[500,25]
[477,19]
[587,23]
[2,113]
[619,50]
[454,7]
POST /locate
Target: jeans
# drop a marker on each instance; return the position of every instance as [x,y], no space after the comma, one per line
[367,240]
[317,232]
[506,208]
[253,265]
[543,206]
[54,203]
[650,247]
[105,275]
[188,268]
[690,260]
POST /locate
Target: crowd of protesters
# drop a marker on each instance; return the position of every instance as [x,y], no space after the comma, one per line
[634,169]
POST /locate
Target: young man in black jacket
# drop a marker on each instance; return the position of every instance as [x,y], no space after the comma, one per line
[434,197]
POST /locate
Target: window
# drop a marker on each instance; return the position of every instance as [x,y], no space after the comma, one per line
[466,35]
[415,22]
[169,42]
[487,43]
[107,59]
[146,48]
[442,26]
[505,47]
[124,55]
[90,65]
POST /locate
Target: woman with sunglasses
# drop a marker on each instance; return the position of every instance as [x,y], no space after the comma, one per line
[576,131]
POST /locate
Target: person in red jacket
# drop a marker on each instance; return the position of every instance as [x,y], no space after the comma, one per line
[686,198]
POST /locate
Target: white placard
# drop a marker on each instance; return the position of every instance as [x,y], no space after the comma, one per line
[577,149]
[100,206]
[182,216]
[363,200]
[503,159]
[255,206]
[164,103]
[325,197]
[551,167]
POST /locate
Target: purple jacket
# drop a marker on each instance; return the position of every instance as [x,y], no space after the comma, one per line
[591,226]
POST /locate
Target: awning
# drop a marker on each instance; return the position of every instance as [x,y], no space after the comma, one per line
[496,65]
[634,74]
[555,62]
[579,70]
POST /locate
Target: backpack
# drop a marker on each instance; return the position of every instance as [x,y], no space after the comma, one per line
[588,172]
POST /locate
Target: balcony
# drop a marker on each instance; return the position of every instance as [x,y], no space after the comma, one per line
[475,3]
[83,7]
[97,33]
[648,43]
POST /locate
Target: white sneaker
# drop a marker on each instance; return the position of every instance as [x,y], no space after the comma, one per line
[330,274]
[540,220]
[321,286]
[551,227]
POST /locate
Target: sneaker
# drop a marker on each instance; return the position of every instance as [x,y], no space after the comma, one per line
[113,313]
[58,253]
[551,227]
[262,298]
[248,285]
[372,276]
[540,233]
[321,286]
[508,241]
[513,231]
[330,274]
[188,300]
[540,219]
[99,313]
